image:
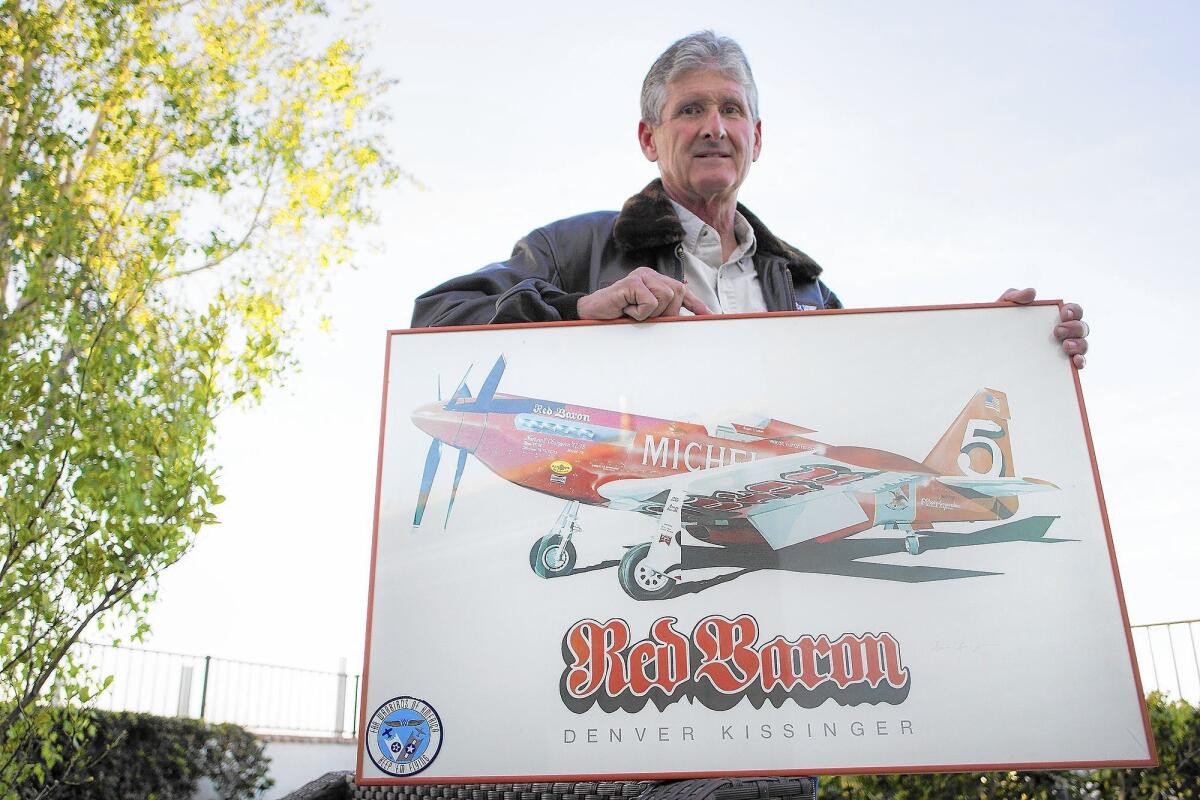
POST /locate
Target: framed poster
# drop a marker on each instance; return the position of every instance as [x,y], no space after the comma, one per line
[852,541]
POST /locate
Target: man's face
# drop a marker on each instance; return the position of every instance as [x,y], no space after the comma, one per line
[706,140]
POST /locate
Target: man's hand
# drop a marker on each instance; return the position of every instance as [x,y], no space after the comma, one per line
[1071,330]
[641,294]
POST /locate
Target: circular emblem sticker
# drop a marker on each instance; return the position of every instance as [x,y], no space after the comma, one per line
[404,736]
[560,467]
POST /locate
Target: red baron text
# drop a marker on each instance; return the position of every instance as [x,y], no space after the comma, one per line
[723,657]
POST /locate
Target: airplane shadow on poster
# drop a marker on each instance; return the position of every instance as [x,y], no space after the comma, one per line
[761,490]
[842,557]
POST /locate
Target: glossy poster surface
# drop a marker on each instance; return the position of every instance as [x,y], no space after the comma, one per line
[786,544]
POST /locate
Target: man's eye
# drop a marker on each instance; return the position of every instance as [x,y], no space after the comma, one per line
[732,109]
[690,109]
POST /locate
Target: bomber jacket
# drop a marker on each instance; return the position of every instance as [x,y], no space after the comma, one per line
[554,266]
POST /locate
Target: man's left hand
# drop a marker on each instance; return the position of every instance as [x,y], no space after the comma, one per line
[1071,330]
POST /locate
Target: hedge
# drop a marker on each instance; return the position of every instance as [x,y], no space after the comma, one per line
[143,756]
[159,758]
[1176,728]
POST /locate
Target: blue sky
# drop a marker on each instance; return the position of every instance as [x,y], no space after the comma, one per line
[923,154]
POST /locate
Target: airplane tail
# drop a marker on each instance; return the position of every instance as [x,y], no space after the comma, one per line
[978,444]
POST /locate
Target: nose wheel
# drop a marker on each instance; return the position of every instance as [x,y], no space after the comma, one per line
[553,555]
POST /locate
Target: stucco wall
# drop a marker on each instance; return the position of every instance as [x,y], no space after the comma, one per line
[296,760]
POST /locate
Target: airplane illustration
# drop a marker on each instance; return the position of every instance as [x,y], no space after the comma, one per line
[756,482]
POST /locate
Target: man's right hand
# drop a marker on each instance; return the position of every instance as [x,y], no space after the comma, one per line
[641,294]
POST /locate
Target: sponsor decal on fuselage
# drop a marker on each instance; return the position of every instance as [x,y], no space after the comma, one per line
[671,453]
[722,662]
[942,505]
[559,470]
[561,412]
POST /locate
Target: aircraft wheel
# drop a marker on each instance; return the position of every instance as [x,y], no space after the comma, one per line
[639,581]
[549,558]
[912,543]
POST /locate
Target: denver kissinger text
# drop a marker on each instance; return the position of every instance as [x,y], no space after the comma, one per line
[721,662]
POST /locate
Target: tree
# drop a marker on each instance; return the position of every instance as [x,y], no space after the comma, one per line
[175,176]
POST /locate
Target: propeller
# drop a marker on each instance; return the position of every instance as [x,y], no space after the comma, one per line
[431,464]
[488,390]
[433,457]
[458,471]
[462,391]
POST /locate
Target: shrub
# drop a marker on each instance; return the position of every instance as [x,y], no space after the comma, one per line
[164,758]
[1176,728]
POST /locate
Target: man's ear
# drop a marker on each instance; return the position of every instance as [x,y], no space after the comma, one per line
[757,138]
[646,140]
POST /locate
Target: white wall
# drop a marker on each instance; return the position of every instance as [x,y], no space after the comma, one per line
[295,761]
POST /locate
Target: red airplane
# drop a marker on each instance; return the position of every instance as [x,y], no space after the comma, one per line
[754,482]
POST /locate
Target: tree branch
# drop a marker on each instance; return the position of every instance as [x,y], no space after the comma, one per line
[106,232]
[31,643]
[7,147]
[254,224]
[67,187]
[25,91]
[129,303]
[68,548]
[115,593]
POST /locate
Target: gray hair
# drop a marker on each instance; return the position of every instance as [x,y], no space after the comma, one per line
[703,50]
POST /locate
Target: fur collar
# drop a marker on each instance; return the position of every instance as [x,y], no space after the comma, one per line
[647,220]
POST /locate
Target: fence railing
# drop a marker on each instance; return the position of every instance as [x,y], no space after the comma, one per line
[268,698]
[1168,658]
[265,698]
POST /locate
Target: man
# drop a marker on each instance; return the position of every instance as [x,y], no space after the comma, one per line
[683,244]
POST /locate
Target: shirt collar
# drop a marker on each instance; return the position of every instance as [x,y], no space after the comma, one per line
[693,225]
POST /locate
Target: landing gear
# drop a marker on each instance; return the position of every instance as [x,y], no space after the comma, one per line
[553,555]
[912,542]
[651,570]
[640,581]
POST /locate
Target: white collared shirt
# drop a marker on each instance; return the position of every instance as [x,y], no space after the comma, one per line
[726,287]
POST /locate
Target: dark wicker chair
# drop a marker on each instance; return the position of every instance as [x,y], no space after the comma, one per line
[341,786]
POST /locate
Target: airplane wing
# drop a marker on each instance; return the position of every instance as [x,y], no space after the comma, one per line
[797,496]
[997,487]
[630,492]
[788,498]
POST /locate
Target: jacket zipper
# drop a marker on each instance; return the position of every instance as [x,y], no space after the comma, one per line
[789,290]
[776,281]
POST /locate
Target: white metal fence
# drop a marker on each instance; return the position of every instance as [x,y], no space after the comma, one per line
[268,698]
[1168,659]
[265,698]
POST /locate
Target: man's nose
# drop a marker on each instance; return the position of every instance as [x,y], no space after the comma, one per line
[714,125]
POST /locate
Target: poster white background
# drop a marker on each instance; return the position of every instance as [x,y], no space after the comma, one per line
[1017,650]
